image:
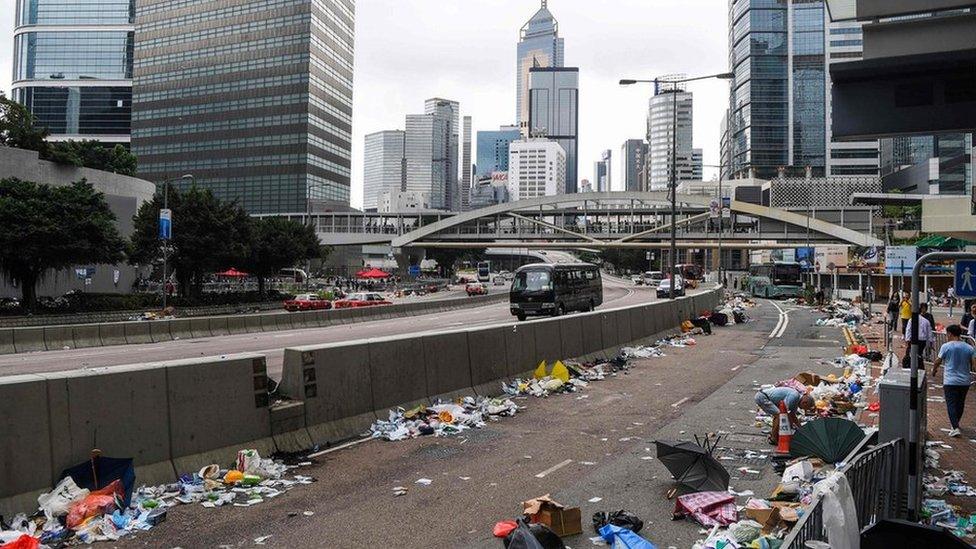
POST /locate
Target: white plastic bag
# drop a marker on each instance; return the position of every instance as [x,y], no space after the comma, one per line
[56,502]
[839,513]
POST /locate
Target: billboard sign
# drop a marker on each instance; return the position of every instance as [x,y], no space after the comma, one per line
[829,259]
[165,224]
[805,257]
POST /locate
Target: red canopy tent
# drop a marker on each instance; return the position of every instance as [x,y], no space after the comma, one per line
[372,273]
[232,273]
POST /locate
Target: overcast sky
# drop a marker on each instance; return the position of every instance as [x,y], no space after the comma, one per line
[410,50]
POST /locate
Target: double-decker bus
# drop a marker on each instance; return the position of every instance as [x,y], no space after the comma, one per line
[777,279]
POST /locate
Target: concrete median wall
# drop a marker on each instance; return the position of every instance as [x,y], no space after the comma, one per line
[57,337]
[348,385]
[170,417]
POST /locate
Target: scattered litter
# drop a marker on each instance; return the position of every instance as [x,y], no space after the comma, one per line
[423,481]
[595,500]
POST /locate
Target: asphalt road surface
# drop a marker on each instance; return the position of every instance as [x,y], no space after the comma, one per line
[593,444]
[617,293]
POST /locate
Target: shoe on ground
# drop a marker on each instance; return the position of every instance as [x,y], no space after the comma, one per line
[954,433]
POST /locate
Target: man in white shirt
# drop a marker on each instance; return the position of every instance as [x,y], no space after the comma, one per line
[925,336]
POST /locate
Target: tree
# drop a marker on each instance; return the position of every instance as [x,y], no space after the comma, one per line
[208,234]
[447,258]
[44,228]
[92,154]
[276,243]
[17,127]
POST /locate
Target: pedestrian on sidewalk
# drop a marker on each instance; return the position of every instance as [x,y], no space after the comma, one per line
[893,313]
[925,337]
[906,313]
[967,317]
[768,401]
[959,359]
[951,295]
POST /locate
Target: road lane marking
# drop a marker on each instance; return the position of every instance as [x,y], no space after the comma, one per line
[736,368]
[680,402]
[554,468]
[781,323]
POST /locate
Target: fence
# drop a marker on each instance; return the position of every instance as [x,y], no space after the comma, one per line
[873,476]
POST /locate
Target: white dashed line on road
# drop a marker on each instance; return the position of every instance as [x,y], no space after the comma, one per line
[680,402]
[554,468]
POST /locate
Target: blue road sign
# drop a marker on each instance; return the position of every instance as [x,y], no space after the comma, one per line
[413,270]
[966,278]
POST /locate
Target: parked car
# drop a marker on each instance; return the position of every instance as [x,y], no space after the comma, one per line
[307,302]
[362,299]
[653,278]
[499,281]
[664,288]
[476,288]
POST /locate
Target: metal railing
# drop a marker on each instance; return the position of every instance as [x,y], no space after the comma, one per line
[873,476]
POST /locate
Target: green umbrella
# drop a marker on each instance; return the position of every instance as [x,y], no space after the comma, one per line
[829,439]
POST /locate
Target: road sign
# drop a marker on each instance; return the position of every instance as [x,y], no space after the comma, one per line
[413,270]
[965,278]
[900,260]
[165,224]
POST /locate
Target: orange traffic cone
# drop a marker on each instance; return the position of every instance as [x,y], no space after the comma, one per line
[785,430]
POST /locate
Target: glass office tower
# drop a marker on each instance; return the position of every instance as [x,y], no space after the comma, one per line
[252,98]
[72,66]
[554,113]
[493,151]
[539,46]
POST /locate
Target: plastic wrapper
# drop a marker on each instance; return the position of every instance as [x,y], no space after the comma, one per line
[95,504]
[620,518]
[57,502]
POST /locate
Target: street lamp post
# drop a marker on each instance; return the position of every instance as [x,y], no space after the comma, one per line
[165,245]
[673,179]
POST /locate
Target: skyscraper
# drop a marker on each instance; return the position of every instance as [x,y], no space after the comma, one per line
[697,165]
[554,113]
[384,166]
[493,150]
[253,98]
[466,168]
[662,127]
[632,162]
[452,111]
[426,148]
[603,172]
[72,66]
[845,44]
[539,46]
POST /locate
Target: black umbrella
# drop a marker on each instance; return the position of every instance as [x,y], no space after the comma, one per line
[99,471]
[692,465]
[902,534]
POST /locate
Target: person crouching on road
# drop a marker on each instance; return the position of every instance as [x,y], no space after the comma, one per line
[959,359]
[768,401]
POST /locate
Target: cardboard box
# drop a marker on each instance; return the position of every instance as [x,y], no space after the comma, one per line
[564,521]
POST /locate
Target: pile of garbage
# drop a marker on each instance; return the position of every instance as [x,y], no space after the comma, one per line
[83,508]
[442,419]
[937,512]
[734,308]
[841,313]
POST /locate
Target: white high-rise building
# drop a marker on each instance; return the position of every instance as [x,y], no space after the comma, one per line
[536,167]
[663,127]
[384,166]
[466,168]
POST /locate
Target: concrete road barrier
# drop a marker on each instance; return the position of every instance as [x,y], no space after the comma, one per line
[520,349]
[28,340]
[592,333]
[335,385]
[624,330]
[447,360]
[398,373]
[180,328]
[25,448]
[268,322]
[112,333]
[7,341]
[216,407]
[611,339]
[200,327]
[572,336]
[159,330]
[218,326]
[488,360]
[639,323]
[137,332]
[90,409]
[549,340]
[236,325]
[58,337]
[285,321]
[253,323]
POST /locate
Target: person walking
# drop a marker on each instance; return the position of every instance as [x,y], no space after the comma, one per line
[768,401]
[951,297]
[925,337]
[893,313]
[906,313]
[923,311]
[959,359]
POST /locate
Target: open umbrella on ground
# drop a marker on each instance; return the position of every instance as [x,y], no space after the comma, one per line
[232,273]
[372,273]
[902,534]
[692,465]
[829,439]
[99,471]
